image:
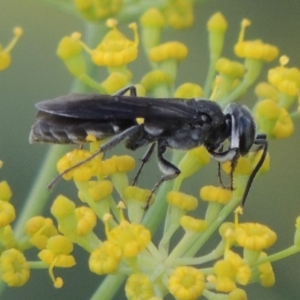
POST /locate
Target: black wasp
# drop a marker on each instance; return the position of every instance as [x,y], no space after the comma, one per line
[168,123]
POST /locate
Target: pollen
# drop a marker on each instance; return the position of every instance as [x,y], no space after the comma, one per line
[255,236]
[14,268]
[215,194]
[182,201]
[105,259]
[186,283]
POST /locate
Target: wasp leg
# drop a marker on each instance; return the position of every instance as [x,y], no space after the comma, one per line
[123,91]
[105,147]
[261,141]
[144,160]
[169,170]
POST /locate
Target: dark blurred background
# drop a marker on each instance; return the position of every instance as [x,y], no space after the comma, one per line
[36,74]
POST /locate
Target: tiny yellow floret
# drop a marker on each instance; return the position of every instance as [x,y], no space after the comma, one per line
[182,201]
[152,18]
[14,268]
[115,50]
[217,23]
[86,220]
[193,224]
[7,213]
[62,207]
[215,194]
[5,191]
[105,259]
[255,236]
[139,286]
[179,14]
[170,50]
[186,283]
[189,91]
[5,56]
[266,276]
[134,193]
[130,238]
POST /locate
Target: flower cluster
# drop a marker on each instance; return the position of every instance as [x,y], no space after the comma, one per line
[125,248]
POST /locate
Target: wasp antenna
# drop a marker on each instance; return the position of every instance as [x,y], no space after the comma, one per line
[60,175]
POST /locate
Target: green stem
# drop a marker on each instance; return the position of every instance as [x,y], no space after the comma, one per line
[109,287]
[39,193]
[277,256]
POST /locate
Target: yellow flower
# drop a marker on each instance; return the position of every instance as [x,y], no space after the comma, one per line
[40,229]
[98,10]
[5,57]
[57,254]
[105,259]
[186,283]
[266,274]
[139,286]
[86,220]
[254,236]
[7,213]
[179,13]
[193,224]
[83,172]
[182,201]
[254,49]
[14,268]
[5,191]
[98,190]
[171,50]
[115,50]
[284,126]
[215,194]
[130,238]
[230,270]
[155,78]
[70,51]
[230,68]
[188,91]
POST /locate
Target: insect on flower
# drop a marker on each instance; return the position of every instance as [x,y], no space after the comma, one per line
[168,123]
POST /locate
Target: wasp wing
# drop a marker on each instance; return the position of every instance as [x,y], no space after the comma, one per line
[108,108]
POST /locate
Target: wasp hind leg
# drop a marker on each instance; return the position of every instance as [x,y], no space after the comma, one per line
[168,169]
